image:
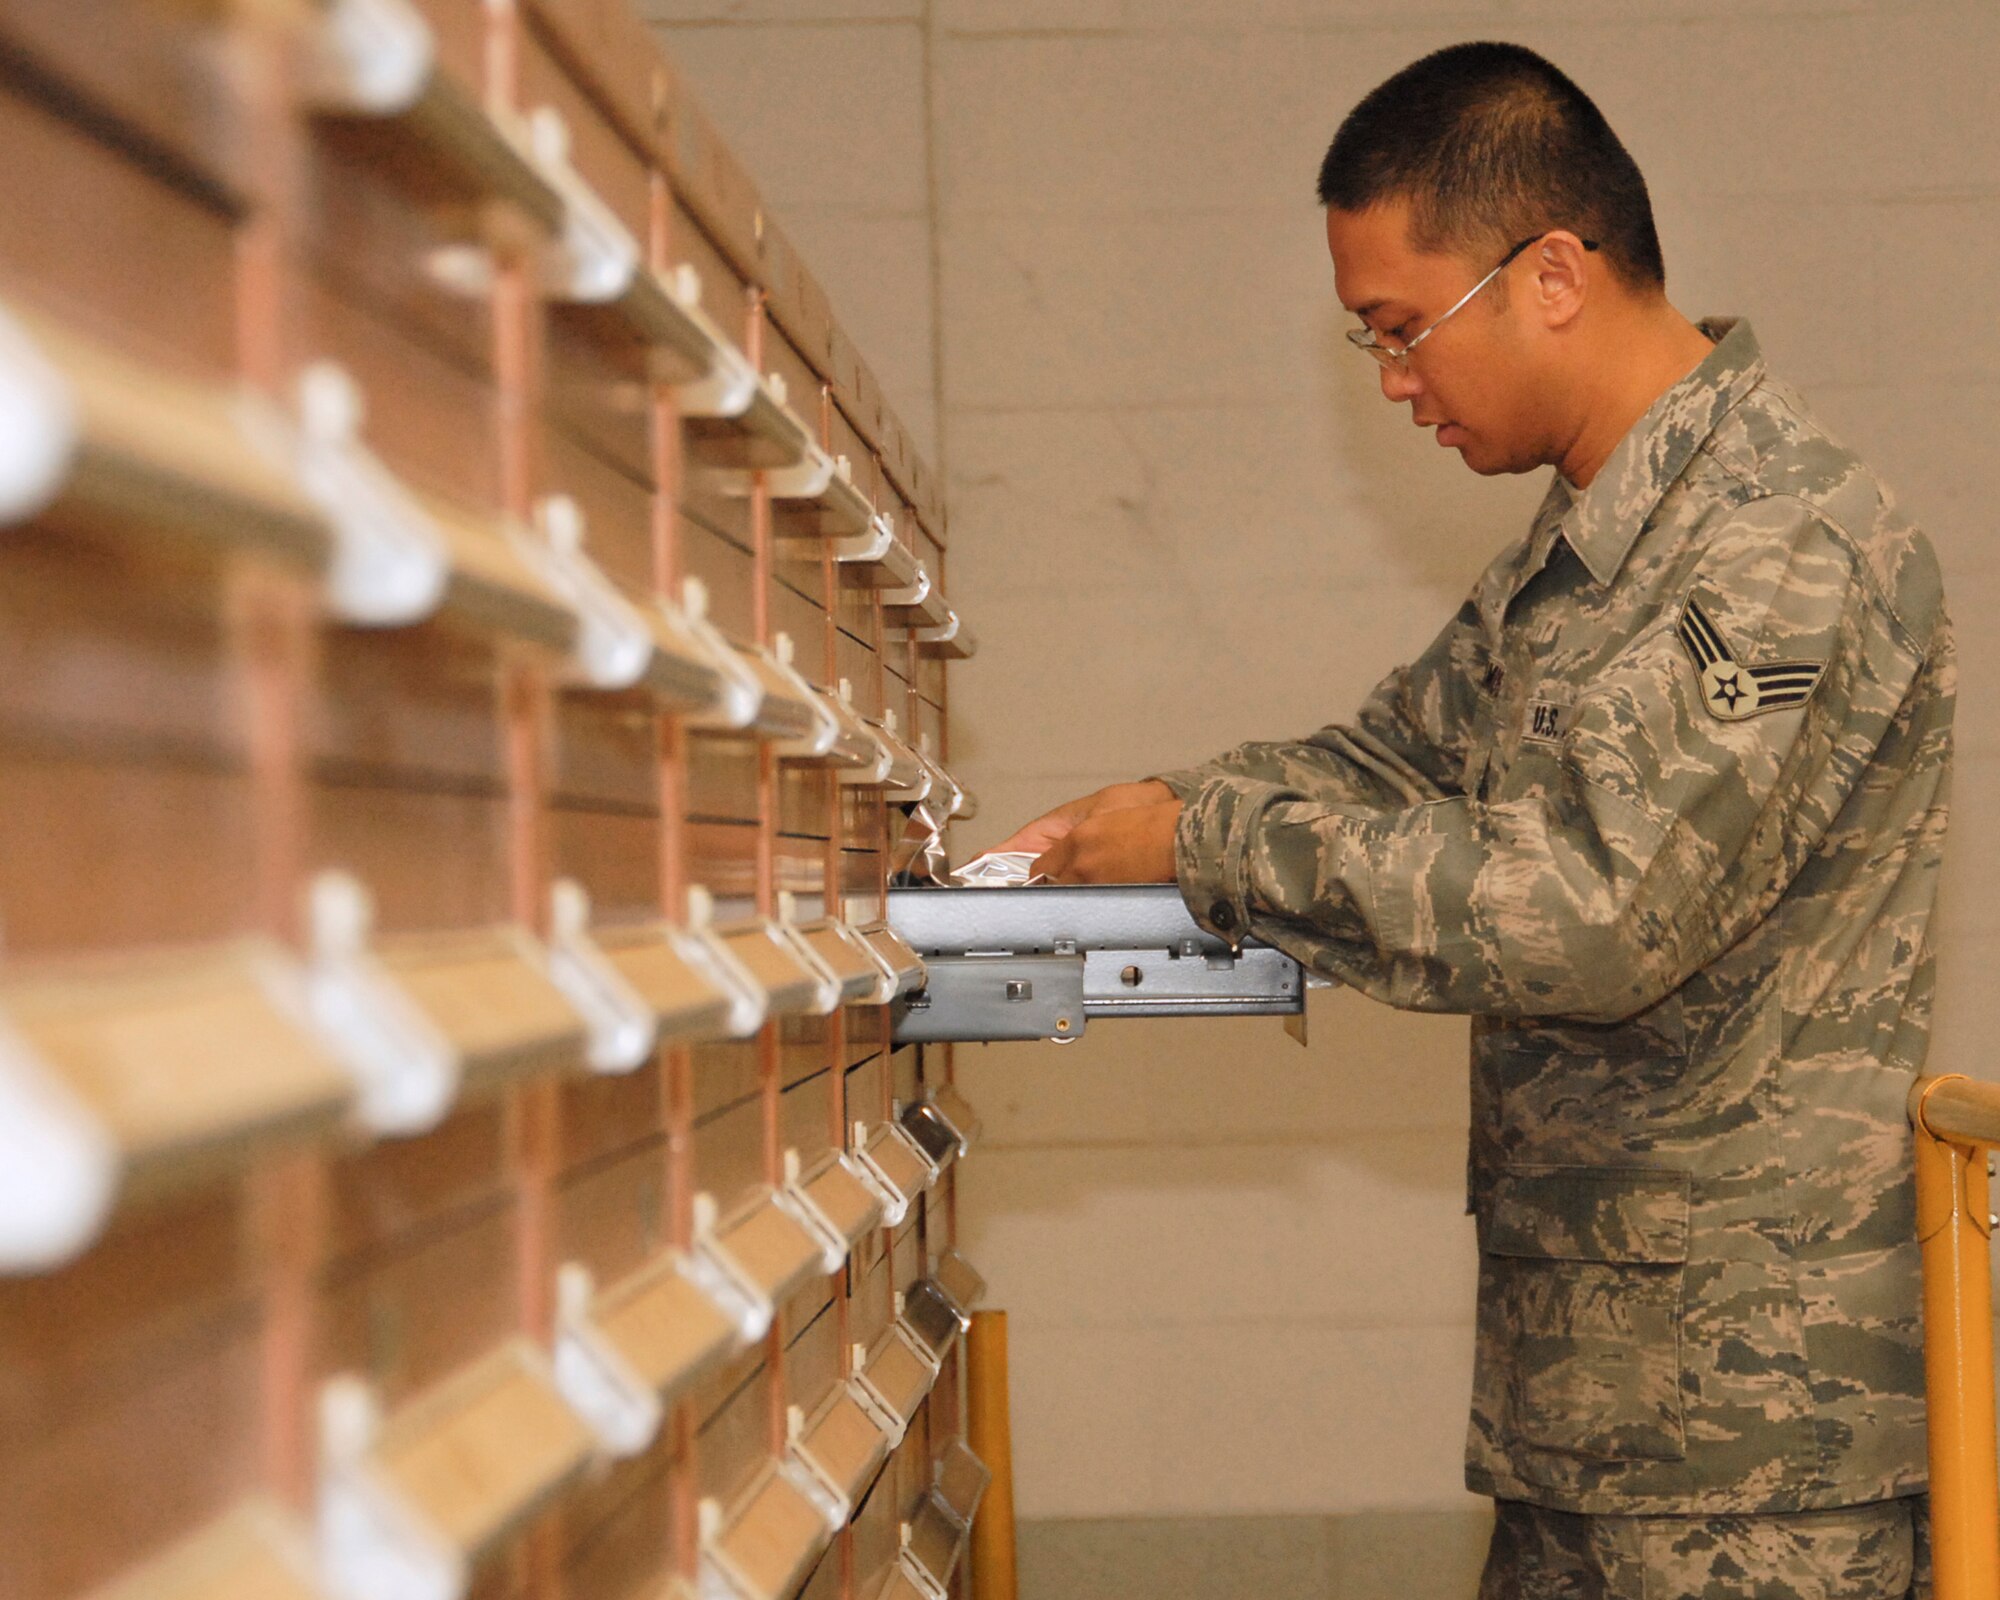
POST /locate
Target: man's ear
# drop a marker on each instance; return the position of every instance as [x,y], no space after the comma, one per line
[1562,278]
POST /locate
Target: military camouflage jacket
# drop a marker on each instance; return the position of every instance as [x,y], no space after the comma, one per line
[1662,808]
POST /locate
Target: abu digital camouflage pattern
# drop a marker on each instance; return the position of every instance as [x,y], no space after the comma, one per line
[1871,1552]
[1694,943]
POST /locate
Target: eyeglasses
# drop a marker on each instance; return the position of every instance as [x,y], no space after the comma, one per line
[1397,356]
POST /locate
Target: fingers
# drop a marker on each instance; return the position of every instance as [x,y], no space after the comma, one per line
[1039,834]
[1042,834]
[1058,862]
[1134,844]
[1046,829]
[1080,856]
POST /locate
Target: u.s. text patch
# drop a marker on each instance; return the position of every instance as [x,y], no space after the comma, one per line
[1544,722]
[1732,689]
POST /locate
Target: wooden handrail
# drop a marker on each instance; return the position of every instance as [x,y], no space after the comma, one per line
[1961,1110]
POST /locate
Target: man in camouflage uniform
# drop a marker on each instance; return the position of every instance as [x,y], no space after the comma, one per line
[1662,809]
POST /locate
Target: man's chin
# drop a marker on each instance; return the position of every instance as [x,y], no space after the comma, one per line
[1477,454]
[1489,463]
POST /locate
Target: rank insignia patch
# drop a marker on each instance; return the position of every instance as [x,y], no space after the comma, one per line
[1732,690]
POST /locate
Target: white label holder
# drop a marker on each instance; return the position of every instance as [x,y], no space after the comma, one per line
[703,949]
[39,427]
[406,1071]
[622,1026]
[390,561]
[742,694]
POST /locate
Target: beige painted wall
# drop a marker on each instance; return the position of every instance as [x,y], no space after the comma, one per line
[1077,238]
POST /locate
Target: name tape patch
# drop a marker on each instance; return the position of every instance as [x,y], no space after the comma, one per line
[1545,722]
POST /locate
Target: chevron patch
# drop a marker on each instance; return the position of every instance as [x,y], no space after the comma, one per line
[1733,690]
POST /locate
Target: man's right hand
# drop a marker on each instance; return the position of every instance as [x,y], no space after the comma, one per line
[1045,830]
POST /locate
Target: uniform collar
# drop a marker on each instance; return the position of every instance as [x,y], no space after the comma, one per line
[1605,520]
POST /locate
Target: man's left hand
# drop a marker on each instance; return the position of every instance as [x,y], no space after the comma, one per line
[1133,845]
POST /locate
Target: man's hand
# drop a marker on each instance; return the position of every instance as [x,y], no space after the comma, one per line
[1132,844]
[1042,834]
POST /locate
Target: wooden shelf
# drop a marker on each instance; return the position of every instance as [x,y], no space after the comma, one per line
[838,1195]
[762,1547]
[372,78]
[894,1375]
[625,1354]
[146,1071]
[841,1445]
[255,1552]
[750,1260]
[422,1018]
[104,444]
[792,984]
[901,1172]
[409,1505]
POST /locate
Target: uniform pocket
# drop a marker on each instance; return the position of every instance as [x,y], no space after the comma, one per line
[1660,1032]
[1585,1269]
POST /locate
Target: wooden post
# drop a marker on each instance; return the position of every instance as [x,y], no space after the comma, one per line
[1950,1115]
[989,1433]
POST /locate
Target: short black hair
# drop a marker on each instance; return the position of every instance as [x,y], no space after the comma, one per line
[1491,144]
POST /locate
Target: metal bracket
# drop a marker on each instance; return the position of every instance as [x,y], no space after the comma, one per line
[1038,962]
[994,997]
[1257,981]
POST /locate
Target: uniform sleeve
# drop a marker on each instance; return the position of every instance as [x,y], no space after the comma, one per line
[1667,824]
[1408,744]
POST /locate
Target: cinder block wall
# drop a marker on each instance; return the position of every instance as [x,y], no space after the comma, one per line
[1080,234]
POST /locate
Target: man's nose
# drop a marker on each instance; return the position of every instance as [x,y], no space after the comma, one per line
[1399,383]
